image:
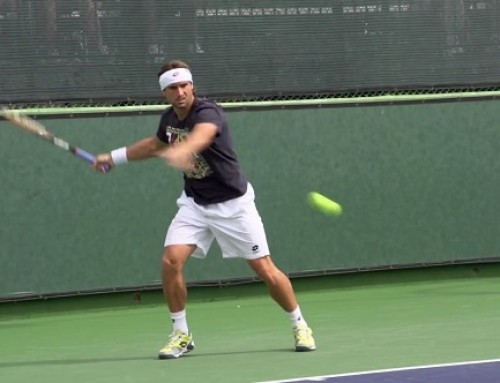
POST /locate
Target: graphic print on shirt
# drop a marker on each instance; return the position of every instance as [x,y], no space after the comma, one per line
[201,168]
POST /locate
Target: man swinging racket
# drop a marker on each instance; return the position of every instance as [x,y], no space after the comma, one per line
[217,203]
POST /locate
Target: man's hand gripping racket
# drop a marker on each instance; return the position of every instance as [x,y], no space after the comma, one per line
[36,128]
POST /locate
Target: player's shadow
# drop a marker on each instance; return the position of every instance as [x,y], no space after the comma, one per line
[217,354]
[64,362]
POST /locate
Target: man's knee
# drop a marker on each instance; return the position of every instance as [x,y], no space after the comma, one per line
[175,256]
[266,269]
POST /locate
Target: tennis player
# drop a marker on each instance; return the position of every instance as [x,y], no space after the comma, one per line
[217,203]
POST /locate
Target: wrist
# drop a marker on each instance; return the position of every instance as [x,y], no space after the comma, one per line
[119,156]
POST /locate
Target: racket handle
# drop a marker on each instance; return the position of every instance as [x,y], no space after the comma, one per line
[85,155]
[90,158]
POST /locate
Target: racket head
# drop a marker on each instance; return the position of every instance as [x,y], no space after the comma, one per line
[24,122]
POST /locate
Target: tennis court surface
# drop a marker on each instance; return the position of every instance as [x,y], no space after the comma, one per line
[466,372]
[403,326]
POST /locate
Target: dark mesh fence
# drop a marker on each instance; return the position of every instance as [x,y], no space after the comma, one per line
[74,50]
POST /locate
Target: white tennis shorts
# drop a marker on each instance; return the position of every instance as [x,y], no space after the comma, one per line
[235,224]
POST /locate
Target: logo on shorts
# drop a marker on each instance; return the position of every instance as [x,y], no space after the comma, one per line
[255,248]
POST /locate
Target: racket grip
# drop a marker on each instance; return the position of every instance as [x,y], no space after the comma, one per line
[90,158]
[85,155]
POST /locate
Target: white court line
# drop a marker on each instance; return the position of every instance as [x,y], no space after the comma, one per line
[324,377]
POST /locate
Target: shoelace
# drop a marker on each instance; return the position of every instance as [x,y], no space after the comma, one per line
[175,339]
[301,333]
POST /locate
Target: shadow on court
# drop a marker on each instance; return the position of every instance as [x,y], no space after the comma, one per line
[59,362]
[153,358]
[219,354]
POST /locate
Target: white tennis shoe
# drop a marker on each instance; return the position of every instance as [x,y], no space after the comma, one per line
[303,336]
[179,343]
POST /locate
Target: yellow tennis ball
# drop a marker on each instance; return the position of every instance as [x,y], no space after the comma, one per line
[323,204]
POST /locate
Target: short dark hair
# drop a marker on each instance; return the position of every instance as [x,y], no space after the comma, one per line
[172,65]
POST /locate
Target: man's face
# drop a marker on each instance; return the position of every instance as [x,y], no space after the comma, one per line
[179,95]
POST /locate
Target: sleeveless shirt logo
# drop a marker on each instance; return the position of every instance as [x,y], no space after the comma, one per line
[201,168]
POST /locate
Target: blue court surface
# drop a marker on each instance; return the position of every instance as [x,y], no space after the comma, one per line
[485,371]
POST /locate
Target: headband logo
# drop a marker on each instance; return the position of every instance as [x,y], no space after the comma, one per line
[175,76]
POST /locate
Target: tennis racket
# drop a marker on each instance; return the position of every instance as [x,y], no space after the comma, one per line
[36,128]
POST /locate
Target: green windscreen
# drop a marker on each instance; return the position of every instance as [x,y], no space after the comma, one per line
[65,51]
[418,184]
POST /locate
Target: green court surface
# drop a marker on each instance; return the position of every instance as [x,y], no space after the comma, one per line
[363,321]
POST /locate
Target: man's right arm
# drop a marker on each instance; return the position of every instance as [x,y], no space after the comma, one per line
[143,149]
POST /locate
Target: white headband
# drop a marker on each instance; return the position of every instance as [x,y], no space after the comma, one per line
[174,76]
